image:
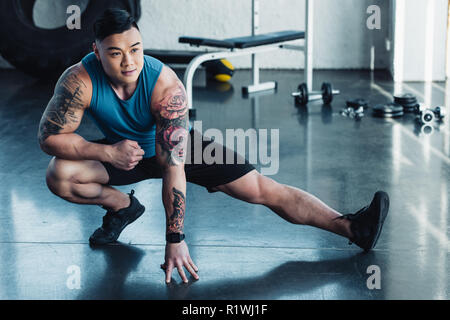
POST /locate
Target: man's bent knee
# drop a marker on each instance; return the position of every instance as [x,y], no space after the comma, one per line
[61,174]
[58,177]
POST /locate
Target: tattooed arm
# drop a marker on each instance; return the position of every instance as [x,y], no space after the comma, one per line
[172,125]
[63,116]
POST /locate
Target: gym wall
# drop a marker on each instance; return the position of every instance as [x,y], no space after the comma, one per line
[341,38]
[419,29]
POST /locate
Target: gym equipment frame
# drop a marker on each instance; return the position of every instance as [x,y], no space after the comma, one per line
[254,44]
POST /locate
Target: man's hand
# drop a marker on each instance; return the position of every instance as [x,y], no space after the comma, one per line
[125,155]
[177,256]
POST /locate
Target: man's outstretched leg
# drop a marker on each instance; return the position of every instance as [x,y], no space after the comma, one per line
[300,207]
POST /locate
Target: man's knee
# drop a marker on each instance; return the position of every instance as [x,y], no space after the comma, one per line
[60,174]
[251,188]
[269,191]
[264,190]
[256,194]
[65,177]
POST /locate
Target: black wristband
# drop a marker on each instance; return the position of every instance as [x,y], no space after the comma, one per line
[175,237]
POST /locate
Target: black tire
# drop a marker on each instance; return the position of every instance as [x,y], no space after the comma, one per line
[45,53]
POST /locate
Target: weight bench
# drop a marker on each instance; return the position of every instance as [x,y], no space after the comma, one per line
[238,47]
[256,43]
[246,42]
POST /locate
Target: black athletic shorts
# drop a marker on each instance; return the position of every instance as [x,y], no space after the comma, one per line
[206,175]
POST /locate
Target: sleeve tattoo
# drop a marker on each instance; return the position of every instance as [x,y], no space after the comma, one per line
[176,219]
[172,129]
[62,109]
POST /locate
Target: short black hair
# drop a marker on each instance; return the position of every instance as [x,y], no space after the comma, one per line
[113,21]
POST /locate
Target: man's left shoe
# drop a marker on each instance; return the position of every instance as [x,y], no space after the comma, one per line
[366,224]
[115,222]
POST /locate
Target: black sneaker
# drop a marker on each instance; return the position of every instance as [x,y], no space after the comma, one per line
[115,222]
[367,223]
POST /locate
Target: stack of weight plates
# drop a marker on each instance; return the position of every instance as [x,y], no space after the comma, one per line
[389,110]
[357,103]
[408,101]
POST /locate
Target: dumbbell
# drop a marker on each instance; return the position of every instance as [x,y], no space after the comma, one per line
[303,96]
[439,112]
[427,115]
[353,113]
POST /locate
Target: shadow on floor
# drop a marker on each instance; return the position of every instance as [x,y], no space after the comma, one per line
[292,278]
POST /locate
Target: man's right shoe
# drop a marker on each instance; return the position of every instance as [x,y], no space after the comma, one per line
[366,224]
[115,222]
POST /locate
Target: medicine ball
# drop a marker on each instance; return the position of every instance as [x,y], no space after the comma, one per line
[220,70]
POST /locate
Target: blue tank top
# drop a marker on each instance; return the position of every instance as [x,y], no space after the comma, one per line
[119,119]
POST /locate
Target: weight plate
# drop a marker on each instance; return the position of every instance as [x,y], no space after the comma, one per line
[404,95]
[382,112]
[410,105]
[388,115]
[356,103]
[388,108]
[302,99]
[439,112]
[406,98]
[327,93]
[427,116]
[411,108]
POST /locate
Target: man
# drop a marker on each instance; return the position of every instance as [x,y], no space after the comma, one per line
[140,106]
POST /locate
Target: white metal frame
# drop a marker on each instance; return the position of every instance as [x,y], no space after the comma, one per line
[257,86]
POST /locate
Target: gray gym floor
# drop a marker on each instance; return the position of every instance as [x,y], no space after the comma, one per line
[243,251]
